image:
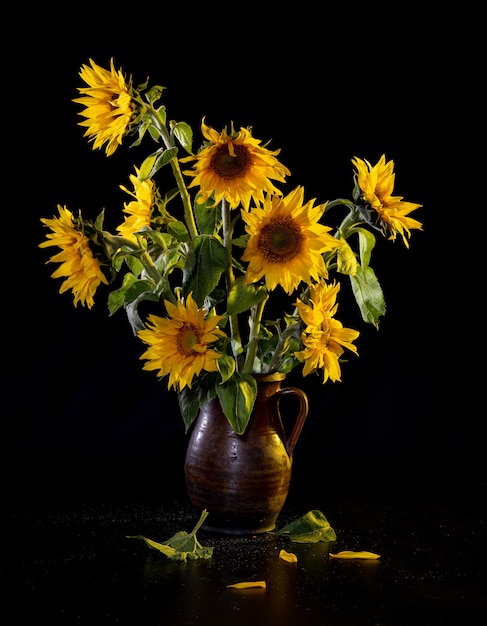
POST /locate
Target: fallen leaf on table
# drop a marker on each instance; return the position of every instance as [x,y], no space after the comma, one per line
[248,584]
[353,554]
[182,545]
[290,557]
[309,528]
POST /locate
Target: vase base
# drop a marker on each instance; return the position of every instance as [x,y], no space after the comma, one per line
[237,531]
[229,526]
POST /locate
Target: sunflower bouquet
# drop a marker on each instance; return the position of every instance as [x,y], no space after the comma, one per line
[234,273]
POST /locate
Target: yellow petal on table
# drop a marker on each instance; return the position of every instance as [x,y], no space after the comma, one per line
[352,554]
[290,557]
[248,584]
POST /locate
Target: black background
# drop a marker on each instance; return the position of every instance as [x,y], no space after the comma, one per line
[324,89]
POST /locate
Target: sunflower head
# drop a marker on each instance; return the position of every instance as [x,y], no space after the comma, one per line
[321,303]
[234,166]
[375,185]
[77,263]
[324,338]
[286,241]
[179,345]
[138,212]
[109,106]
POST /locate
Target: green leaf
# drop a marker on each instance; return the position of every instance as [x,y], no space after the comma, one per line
[145,126]
[136,289]
[242,297]
[178,229]
[155,161]
[116,299]
[226,367]
[99,220]
[154,93]
[366,245]
[237,397]
[131,310]
[191,400]
[368,294]
[147,166]
[346,259]
[309,528]
[162,112]
[183,133]
[210,260]
[182,545]
[164,158]
[208,216]
[241,242]
[166,262]
[163,240]
[135,264]
[165,549]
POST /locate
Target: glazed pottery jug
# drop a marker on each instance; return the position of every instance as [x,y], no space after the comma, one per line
[243,480]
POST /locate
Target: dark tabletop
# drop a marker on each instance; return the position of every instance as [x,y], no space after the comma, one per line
[69,561]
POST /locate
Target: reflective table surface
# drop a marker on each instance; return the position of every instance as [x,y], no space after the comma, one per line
[68,559]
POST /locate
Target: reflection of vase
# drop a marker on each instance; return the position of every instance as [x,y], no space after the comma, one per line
[243,480]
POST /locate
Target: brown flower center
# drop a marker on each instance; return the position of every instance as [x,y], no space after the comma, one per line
[187,337]
[227,166]
[280,241]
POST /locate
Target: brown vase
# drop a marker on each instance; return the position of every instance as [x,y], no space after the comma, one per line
[243,480]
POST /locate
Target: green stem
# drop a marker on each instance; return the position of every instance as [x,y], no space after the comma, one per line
[183,191]
[339,202]
[188,211]
[350,220]
[150,268]
[279,348]
[229,276]
[346,227]
[255,319]
[203,516]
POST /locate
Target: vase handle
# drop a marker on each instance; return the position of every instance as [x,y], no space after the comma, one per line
[300,418]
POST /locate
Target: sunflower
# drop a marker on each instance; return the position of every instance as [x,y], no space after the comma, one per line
[321,303]
[324,337]
[235,167]
[377,184]
[109,105]
[179,346]
[286,241]
[138,211]
[77,261]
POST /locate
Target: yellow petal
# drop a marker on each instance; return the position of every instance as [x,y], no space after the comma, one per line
[352,554]
[248,584]
[290,557]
